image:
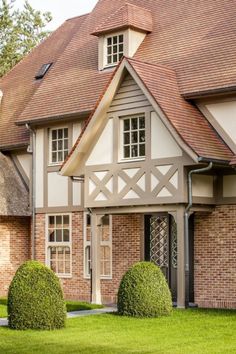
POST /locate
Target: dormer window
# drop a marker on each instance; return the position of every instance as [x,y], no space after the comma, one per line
[121,34]
[114,49]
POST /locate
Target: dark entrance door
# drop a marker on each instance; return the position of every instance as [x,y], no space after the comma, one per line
[161,246]
[161,249]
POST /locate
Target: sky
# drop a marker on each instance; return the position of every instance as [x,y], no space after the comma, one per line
[61,9]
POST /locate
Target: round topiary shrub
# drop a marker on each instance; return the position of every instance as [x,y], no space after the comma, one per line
[144,292]
[35,299]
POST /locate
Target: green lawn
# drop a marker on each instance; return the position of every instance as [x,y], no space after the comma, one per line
[70,306]
[185,332]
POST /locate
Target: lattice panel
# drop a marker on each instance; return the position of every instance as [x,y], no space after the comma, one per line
[159,240]
[174,249]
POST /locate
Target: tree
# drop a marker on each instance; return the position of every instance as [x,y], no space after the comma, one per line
[20,32]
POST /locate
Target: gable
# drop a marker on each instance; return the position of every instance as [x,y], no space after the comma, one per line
[129,101]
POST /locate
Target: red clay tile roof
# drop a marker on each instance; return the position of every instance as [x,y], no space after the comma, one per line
[128,15]
[188,121]
[192,127]
[19,84]
[194,38]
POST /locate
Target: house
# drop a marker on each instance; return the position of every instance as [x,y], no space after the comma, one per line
[118,134]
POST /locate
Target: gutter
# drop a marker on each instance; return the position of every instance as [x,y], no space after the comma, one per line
[32,150]
[186,223]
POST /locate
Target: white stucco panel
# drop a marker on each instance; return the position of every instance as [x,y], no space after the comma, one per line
[135,40]
[25,161]
[225,113]
[39,158]
[229,186]
[163,144]
[102,152]
[77,188]
[76,132]
[57,190]
[202,186]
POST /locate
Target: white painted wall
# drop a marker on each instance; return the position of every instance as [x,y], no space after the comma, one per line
[202,186]
[135,39]
[25,162]
[76,132]
[229,186]
[77,188]
[57,190]
[39,156]
[163,144]
[225,115]
[102,152]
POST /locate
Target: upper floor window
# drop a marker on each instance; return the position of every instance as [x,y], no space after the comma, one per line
[59,145]
[114,49]
[133,137]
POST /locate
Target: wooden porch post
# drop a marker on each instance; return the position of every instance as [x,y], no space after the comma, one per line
[181,259]
[95,243]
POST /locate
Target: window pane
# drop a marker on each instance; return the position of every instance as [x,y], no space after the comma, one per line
[142,150]
[126,151]
[134,150]
[134,123]
[66,235]
[142,136]
[54,134]
[115,40]
[134,137]
[142,123]
[65,133]
[58,220]
[109,41]
[51,221]
[60,156]
[54,146]
[121,38]
[109,59]
[109,50]
[115,49]
[60,133]
[127,138]
[51,237]
[54,157]
[60,144]
[115,58]
[126,124]
[58,235]
[121,47]
[120,56]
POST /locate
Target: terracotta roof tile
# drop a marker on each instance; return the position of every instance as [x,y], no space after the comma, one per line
[187,120]
[19,84]
[128,15]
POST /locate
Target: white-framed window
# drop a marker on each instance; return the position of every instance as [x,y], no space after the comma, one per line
[105,231]
[59,244]
[58,145]
[133,137]
[114,48]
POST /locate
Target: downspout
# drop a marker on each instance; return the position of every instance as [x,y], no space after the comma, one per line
[32,150]
[91,268]
[186,225]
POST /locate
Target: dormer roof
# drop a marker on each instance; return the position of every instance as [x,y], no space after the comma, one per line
[127,16]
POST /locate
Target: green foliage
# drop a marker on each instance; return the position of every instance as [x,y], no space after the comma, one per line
[35,299]
[144,292]
[20,32]
[81,306]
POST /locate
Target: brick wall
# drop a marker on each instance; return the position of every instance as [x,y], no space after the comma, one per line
[125,251]
[215,258]
[14,248]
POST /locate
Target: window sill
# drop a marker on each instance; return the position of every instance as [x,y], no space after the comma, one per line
[138,159]
[64,276]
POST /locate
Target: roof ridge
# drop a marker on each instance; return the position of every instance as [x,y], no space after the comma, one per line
[79,16]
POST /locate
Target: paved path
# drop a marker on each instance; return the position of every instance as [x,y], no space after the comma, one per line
[4,321]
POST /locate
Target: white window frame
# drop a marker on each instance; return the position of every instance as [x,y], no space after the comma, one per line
[105,54]
[49,244]
[102,243]
[56,163]
[121,147]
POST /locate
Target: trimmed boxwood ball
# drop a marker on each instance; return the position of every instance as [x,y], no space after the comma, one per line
[144,292]
[35,299]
